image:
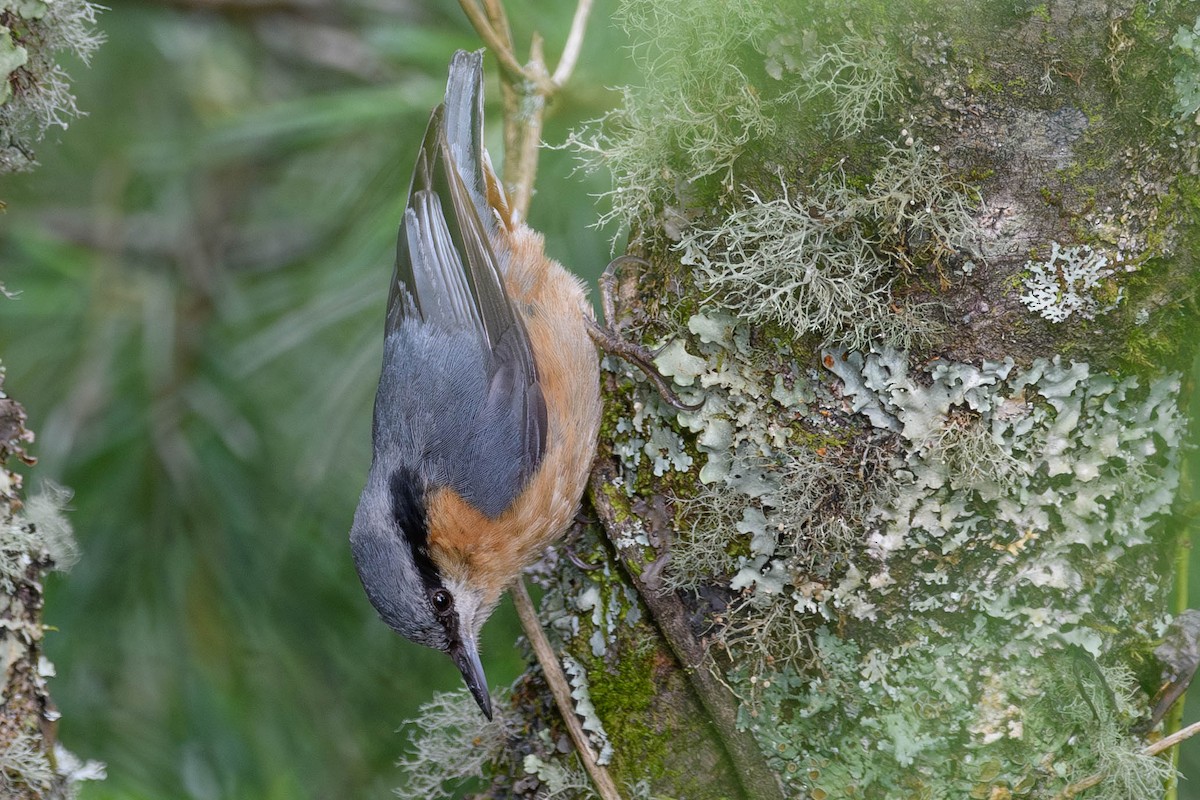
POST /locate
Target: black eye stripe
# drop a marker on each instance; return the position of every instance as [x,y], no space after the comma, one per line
[408,509]
[410,513]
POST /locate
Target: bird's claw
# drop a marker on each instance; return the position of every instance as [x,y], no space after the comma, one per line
[643,359]
[611,342]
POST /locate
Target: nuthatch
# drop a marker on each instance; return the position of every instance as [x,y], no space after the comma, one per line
[488,405]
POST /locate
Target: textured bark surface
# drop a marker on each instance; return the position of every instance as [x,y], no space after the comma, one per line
[27,714]
[918,540]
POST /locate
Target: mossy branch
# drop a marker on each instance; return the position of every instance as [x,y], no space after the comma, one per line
[671,618]
[561,690]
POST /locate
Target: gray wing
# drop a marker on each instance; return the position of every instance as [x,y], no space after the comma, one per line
[468,409]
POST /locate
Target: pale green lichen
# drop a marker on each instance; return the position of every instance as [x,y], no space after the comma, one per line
[982,573]
[922,555]
[695,112]
[24,767]
[1068,284]
[36,92]
[921,610]
[449,742]
[12,56]
[823,261]
[558,779]
[1186,82]
[40,533]
[607,615]
[644,436]
[857,77]
[75,770]
[577,676]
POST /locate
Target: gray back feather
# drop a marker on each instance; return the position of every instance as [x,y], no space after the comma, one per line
[459,400]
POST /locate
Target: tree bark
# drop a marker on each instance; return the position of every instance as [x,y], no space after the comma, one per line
[29,763]
[931,269]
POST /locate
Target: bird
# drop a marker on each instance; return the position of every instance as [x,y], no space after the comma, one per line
[488,407]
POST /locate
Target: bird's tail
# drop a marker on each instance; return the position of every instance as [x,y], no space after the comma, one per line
[463,122]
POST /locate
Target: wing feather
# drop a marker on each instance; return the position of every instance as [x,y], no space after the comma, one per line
[447,290]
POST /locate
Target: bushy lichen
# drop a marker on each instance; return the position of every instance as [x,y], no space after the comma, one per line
[823,261]
[26,770]
[858,78]
[695,112]
[34,537]
[449,742]
[35,92]
[40,533]
[23,765]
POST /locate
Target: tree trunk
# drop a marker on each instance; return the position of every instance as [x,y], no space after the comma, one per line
[34,538]
[930,269]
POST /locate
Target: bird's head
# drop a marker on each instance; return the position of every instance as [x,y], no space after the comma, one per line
[415,595]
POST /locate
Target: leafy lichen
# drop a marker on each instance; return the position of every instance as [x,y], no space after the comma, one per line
[1186,82]
[961,585]
[1069,283]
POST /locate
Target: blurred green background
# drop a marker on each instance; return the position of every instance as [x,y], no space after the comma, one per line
[202,263]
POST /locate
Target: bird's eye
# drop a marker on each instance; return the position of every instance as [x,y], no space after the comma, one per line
[441,601]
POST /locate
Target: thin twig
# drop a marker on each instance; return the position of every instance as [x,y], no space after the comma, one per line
[1162,744]
[552,669]
[641,358]
[499,20]
[526,88]
[1172,740]
[570,53]
[491,38]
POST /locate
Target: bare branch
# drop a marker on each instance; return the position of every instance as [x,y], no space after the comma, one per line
[552,669]
[1175,738]
[492,39]
[570,53]
[499,20]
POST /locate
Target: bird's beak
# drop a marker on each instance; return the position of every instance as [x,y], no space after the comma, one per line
[466,658]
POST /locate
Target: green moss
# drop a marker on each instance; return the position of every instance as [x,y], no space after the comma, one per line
[979,79]
[816,441]
[619,501]
[624,694]
[977,174]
